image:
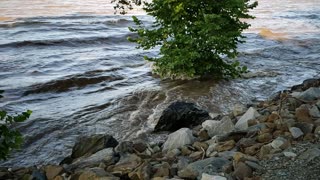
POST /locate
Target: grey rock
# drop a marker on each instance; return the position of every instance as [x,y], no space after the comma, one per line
[289,154]
[311,94]
[253,165]
[206,176]
[178,138]
[314,111]
[280,143]
[296,132]
[242,123]
[239,109]
[304,127]
[223,126]
[310,154]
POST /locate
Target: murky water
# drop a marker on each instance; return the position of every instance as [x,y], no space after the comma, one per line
[69,62]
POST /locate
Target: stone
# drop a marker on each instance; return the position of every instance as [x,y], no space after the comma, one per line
[310,154]
[106,156]
[253,165]
[225,125]
[308,83]
[265,137]
[185,151]
[242,171]
[238,156]
[225,146]
[264,151]
[203,135]
[127,163]
[210,166]
[200,146]
[289,154]
[242,123]
[172,154]
[311,94]
[273,117]
[252,150]
[246,142]
[181,114]
[125,147]
[302,114]
[38,175]
[196,155]
[178,139]
[280,143]
[87,145]
[239,109]
[227,154]
[314,111]
[206,176]
[183,162]
[142,172]
[52,171]
[296,132]
[317,130]
[304,127]
[140,146]
[93,173]
[163,170]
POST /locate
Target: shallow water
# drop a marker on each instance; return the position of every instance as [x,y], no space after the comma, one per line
[70,63]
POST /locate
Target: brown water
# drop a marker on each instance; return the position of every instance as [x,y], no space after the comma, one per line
[69,62]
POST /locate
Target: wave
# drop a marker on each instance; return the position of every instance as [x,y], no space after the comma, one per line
[72,82]
[70,42]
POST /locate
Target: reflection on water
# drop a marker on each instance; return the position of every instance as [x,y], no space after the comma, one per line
[70,62]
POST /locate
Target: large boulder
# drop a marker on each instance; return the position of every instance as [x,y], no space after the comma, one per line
[181,114]
[178,139]
[218,127]
[311,94]
[87,145]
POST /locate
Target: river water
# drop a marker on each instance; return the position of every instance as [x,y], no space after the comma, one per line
[69,62]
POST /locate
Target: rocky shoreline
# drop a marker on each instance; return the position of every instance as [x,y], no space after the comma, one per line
[274,139]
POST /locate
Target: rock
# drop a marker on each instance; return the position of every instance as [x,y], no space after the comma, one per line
[296,132]
[273,117]
[38,175]
[106,156]
[200,146]
[242,123]
[225,125]
[246,142]
[289,154]
[314,111]
[306,128]
[163,170]
[196,155]
[181,114]
[210,166]
[302,114]
[252,150]
[227,154]
[264,151]
[310,154]
[206,176]
[142,172]
[238,156]
[140,146]
[212,148]
[127,163]
[253,165]
[308,83]
[225,146]
[125,147]
[87,145]
[265,137]
[311,94]
[242,171]
[185,151]
[203,135]
[239,109]
[317,130]
[183,162]
[172,154]
[52,171]
[179,138]
[93,173]
[280,143]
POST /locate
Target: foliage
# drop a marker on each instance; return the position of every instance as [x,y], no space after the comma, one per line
[196,38]
[10,138]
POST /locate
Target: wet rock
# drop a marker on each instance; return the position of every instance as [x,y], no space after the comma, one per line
[127,163]
[311,94]
[239,109]
[211,166]
[181,114]
[242,123]
[280,143]
[302,114]
[125,147]
[225,146]
[265,137]
[52,171]
[308,83]
[310,154]
[38,175]
[305,127]
[105,156]
[140,146]
[87,145]
[242,171]
[206,176]
[296,132]
[225,125]
[178,139]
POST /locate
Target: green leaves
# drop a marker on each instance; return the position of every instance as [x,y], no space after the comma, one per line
[194,36]
[10,138]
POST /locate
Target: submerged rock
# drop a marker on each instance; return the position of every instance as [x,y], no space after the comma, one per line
[181,114]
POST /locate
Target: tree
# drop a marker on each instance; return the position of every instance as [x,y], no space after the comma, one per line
[196,38]
[10,138]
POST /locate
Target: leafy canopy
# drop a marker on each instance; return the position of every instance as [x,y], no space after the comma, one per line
[10,138]
[196,38]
